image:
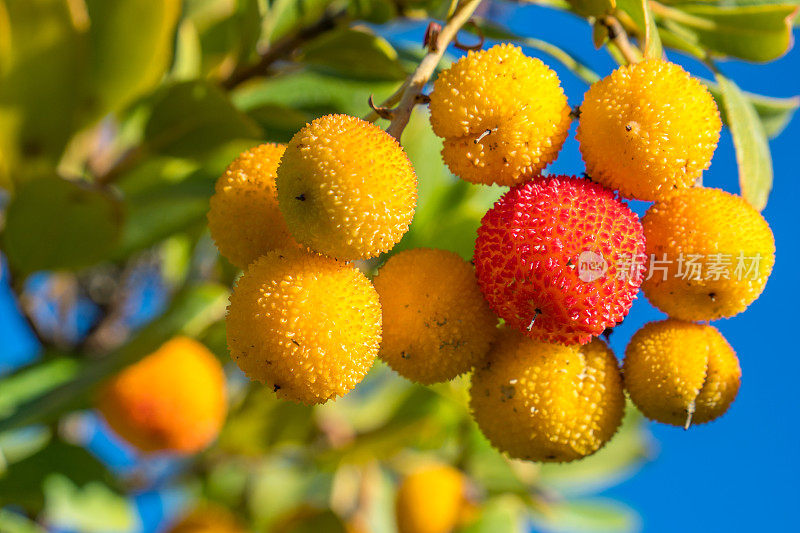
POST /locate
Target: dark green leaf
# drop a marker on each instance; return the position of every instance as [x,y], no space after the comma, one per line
[57,224]
[354,53]
[22,483]
[191,118]
[131,48]
[752,149]
[310,92]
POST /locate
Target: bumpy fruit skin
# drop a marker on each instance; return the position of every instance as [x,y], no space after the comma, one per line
[722,234]
[648,129]
[547,402]
[430,500]
[517,101]
[306,325]
[346,188]
[243,218]
[436,324]
[672,368]
[208,519]
[531,249]
[172,400]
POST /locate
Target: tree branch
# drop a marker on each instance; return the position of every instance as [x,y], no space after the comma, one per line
[282,48]
[412,88]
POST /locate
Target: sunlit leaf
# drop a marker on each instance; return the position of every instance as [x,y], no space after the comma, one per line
[752,32]
[639,11]
[40,83]
[502,514]
[750,140]
[586,516]
[93,508]
[11,522]
[131,48]
[593,8]
[774,113]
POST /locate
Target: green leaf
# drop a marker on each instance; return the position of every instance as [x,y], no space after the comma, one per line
[593,8]
[33,381]
[192,311]
[750,140]
[354,53]
[11,522]
[191,118]
[449,210]
[502,514]
[131,48]
[93,508]
[314,93]
[774,113]
[639,10]
[286,16]
[21,443]
[619,459]
[758,33]
[23,483]
[57,224]
[43,67]
[586,516]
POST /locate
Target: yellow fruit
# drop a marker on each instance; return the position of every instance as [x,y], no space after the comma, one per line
[648,129]
[430,499]
[503,115]
[346,188]
[208,519]
[680,373]
[306,325]
[710,254]
[547,402]
[243,218]
[436,324]
[172,400]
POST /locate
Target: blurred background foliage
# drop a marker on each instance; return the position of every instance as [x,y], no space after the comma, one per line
[116,118]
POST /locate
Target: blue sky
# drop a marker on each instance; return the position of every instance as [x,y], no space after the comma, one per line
[736,474]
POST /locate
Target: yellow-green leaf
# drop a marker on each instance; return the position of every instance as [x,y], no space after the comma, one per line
[753,32]
[750,141]
[131,48]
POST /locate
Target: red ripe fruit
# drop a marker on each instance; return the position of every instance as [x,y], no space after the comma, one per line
[560,258]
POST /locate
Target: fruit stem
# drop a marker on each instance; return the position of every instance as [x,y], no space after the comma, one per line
[413,86]
[619,38]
